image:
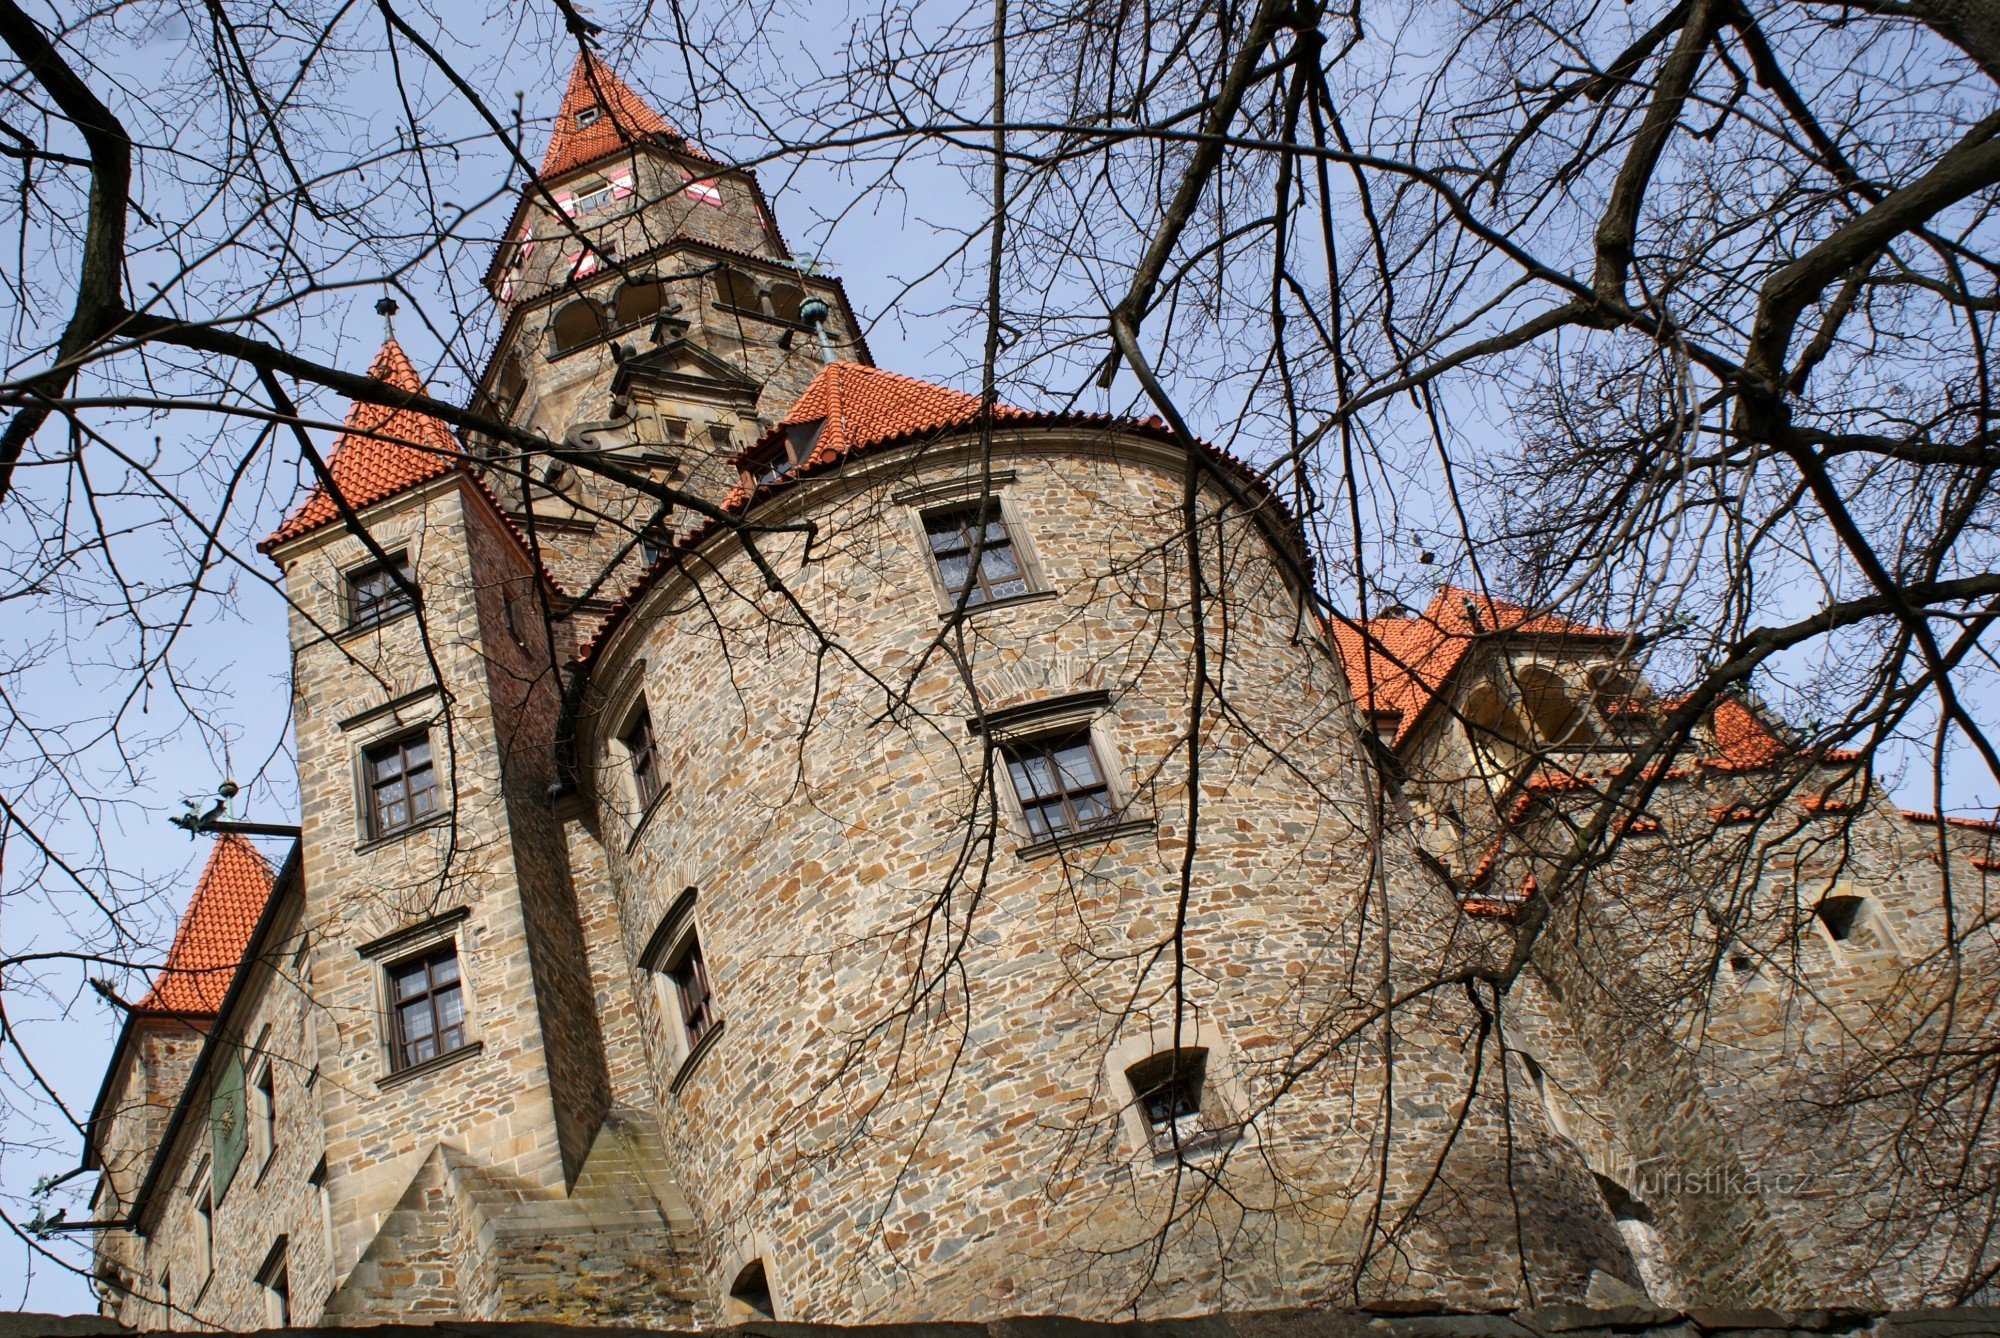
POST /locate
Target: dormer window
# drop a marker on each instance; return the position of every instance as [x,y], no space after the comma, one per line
[792,448]
[588,115]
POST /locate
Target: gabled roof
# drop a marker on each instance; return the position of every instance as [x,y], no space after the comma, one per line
[623,118]
[383,451]
[858,406]
[228,898]
[1396,665]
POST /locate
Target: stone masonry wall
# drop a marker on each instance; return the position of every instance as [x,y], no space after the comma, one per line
[917,1106]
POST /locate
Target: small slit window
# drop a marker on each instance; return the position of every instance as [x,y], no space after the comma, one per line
[975,555]
[586,116]
[428,997]
[1060,784]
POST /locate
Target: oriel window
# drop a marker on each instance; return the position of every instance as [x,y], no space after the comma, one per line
[1060,784]
[401,783]
[375,595]
[975,555]
[429,1003]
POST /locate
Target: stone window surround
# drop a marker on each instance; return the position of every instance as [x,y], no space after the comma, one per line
[678,929]
[274,1268]
[754,1247]
[929,499]
[390,731]
[627,782]
[201,1204]
[403,605]
[264,1118]
[1222,1083]
[397,946]
[1088,711]
[1872,915]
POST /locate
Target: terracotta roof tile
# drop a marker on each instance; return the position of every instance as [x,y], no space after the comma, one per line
[622,118]
[228,898]
[1396,665]
[858,406]
[383,451]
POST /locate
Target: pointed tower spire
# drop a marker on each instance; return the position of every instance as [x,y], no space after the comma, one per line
[600,114]
[228,898]
[383,451]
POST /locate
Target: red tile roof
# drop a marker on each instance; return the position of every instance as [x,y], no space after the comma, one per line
[623,118]
[383,451]
[1396,665]
[859,406]
[228,898]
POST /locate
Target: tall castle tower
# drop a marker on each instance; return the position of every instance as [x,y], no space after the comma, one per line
[807,847]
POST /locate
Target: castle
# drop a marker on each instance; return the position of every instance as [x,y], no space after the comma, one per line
[813,848]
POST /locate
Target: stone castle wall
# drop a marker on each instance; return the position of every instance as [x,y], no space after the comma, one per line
[916,1107]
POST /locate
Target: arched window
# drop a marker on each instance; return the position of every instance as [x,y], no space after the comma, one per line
[785,299]
[578,324]
[637,301]
[733,288]
[1177,1103]
[1552,712]
[1494,730]
[508,387]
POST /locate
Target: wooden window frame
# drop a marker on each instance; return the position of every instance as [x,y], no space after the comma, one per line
[694,1022]
[1045,745]
[393,602]
[978,582]
[401,1044]
[372,787]
[642,756]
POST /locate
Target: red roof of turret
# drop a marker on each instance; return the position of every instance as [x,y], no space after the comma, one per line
[622,118]
[383,451]
[228,898]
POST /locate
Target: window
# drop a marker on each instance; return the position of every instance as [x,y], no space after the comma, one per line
[595,197]
[752,1291]
[645,760]
[1851,922]
[636,301]
[318,1181]
[588,115]
[1060,784]
[381,592]
[733,288]
[1168,1088]
[204,1232]
[791,448]
[580,322]
[654,544]
[429,1005]
[401,782]
[974,554]
[689,974]
[275,1279]
[264,1114]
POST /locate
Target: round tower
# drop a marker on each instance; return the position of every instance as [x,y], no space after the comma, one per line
[1012,923]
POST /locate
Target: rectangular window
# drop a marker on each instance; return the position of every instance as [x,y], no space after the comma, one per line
[429,1004]
[374,594]
[275,1278]
[975,554]
[264,1114]
[204,1228]
[1060,784]
[402,784]
[644,758]
[1168,1089]
[697,1003]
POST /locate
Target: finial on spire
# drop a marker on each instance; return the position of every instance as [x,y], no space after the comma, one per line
[387,309]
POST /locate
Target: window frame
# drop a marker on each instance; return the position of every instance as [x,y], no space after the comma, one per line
[264,1115]
[977,583]
[274,1280]
[1216,1126]
[400,1043]
[1046,743]
[367,756]
[646,781]
[380,610]
[678,939]
[997,487]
